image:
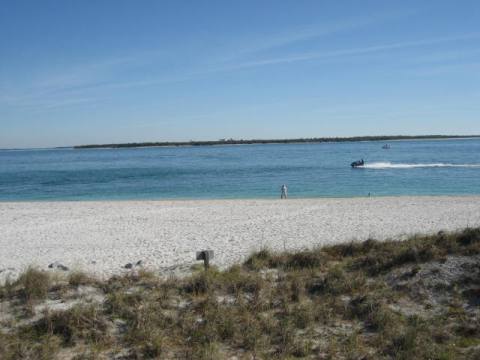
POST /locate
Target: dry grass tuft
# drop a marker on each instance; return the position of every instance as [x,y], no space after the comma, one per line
[33,284]
[79,278]
[82,322]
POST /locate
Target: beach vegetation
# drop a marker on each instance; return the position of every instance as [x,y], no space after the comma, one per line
[78,278]
[33,284]
[410,299]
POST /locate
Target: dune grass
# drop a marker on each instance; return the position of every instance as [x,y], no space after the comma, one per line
[365,300]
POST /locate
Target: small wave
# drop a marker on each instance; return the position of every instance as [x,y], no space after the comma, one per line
[389,165]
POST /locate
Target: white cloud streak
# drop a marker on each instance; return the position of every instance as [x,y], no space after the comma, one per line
[352,51]
[73,86]
[80,84]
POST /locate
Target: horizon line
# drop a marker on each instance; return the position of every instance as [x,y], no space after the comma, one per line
[251,141]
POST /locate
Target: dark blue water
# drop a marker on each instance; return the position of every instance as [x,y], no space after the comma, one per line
[247,171]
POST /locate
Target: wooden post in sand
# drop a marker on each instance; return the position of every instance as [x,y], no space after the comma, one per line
[206,256]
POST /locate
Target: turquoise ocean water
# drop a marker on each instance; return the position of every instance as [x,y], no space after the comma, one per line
[443,167]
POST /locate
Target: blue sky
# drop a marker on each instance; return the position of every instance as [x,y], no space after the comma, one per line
[78,72]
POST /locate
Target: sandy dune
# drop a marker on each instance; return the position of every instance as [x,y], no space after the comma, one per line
[101,237]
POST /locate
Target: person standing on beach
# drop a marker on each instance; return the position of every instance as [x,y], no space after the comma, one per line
[284,191]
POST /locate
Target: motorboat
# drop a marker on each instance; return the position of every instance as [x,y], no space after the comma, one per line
[358,163]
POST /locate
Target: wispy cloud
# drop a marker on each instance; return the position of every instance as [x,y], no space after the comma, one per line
[56,103]
[306,56]
[75,85]
[72,85]
[258,43]
[432,70]
[80,74]
[446,56]
[96,80]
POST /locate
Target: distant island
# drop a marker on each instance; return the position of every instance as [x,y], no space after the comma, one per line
[274,141]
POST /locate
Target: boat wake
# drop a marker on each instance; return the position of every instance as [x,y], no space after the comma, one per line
[389,165]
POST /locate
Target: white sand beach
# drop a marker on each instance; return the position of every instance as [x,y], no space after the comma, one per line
[101,237]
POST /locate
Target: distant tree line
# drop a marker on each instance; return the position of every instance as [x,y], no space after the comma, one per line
[274,141]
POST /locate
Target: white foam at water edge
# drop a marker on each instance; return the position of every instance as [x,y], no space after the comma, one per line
[389,165]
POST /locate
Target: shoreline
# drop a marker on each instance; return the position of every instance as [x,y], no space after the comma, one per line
[272,198]
[101,237]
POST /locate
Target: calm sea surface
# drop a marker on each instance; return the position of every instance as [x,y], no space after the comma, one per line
[247,171]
